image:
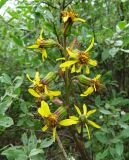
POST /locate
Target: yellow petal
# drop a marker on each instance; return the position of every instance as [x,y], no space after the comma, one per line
[88,132]
[93,124]
[87,70]
[33,46]
[97,77]
[33,93]
[72,55]
[27,75]
[90,46]
[68,63]
[65,18]
[44,54]
[79,20]
[73,69]
[90,112]
[44,110]
[54,134]
[84,109]
[67,122]
[88,91]
[59,59]
[78,110]
[41,32]
[92,62]
[74,118]
[79,69]
[37,78]
[45,128]
[51,93]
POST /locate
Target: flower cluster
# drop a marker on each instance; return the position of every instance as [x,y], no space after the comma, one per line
[74,60]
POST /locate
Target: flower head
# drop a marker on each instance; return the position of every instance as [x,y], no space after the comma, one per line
[52,120]
[83,118]
[95,85]
[70,16]
[42,44]
[79,59]
[40,89]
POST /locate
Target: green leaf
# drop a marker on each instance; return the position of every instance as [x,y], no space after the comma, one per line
[5,79]
[2,2]
[104,111]
[113,51]
[105,54]
[46,143]
[18,41]
[6,121]
[32,143]
[15,153]
[18,81]
[122,24]
[35,152]
[5,105]
[24,139]
[101,137]
[119,148]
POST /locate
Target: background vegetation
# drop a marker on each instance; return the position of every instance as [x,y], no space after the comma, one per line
[21,137]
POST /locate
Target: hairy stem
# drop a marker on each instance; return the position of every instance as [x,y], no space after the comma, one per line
[61,146]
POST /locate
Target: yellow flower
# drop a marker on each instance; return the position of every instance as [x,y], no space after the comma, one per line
[53,119]
[83,118]
[70,16]
[78,59]
[42,44]
[95,85]
[40,87]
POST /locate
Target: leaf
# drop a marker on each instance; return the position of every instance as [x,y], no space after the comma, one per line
[125,117]
[46,143]
[6,121]
[104,111]
[125,133]
[2,2]
[5,105]
[101,155]
[118,43]
[5,79]
[18,81]
[119,148]
[15,153]
[113,51]
[122,24]
[24,139]
[32,143]
[105,54]
[35,152]
[18,41]
[101,137]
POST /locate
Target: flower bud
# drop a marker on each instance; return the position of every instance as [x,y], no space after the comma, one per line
[48,78]
[60,112]
[46,43]
[84,80]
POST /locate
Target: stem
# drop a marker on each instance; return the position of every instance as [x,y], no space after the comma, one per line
[61,146]
[66,76]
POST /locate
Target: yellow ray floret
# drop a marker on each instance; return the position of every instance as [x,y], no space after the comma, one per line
[79,59]
[83,118]
[94,86]
[53,119]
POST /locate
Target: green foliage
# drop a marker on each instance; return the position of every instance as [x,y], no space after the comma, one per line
[108,22]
